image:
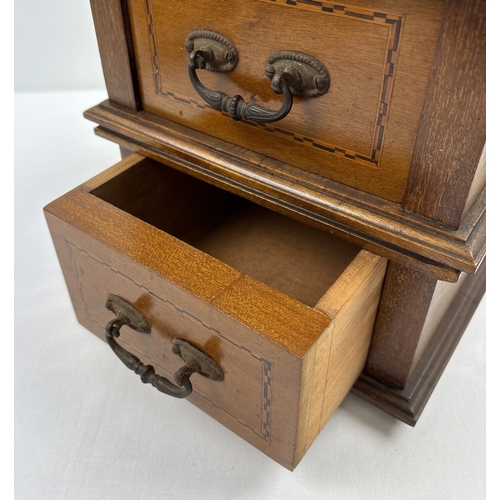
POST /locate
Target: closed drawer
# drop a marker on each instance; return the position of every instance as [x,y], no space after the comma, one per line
[286,311]
[361,132]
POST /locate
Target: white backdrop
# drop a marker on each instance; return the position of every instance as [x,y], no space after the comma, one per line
[85,427]
[55,47]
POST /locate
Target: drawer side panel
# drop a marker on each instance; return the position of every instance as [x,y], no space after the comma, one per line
[339,356]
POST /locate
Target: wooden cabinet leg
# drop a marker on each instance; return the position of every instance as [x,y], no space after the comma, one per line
[404,304]
[432,326]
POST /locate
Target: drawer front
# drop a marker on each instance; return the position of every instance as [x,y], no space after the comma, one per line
[361,132]
[286,366]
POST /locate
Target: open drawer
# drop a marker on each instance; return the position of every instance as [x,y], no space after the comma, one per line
[285,310]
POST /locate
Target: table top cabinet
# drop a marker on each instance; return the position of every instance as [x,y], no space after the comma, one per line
[301,199]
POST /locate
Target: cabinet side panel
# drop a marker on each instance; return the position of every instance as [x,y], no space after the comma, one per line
[443,296]
[111,26]
[477,186]
[452,130]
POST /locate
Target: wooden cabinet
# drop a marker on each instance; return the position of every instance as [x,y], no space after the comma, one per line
[339,245]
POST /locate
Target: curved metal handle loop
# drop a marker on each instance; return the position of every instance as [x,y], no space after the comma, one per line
[291,74]
[235,106]
[195,360]
[147,372]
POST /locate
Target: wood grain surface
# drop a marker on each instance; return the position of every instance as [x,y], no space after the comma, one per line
[266,341]
[114,41]
[404,305]
[452,131]
[337,359]
[448,160]
[404,124]
[368,221]
[412,308]
[361,132]
[408,404]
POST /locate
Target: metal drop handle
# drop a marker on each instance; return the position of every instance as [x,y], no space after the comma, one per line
[195,360]
[291,74]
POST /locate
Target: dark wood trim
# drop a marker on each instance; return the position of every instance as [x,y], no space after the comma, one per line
[408,404]
[405,301]
[452,129]
[115,48]
[124,152]
[371,222]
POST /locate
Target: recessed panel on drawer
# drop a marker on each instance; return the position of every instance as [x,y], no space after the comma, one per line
[361,132]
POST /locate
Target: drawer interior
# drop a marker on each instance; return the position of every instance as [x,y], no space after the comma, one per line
[296,259]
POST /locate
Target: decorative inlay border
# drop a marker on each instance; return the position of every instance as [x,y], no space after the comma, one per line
[266,405]
[394,23]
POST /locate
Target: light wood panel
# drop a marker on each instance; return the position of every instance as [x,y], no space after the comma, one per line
[266,245]
[360,133]
[338,357]
[262,338]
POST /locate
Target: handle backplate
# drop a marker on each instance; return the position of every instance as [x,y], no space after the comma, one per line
[123,309]
[219,53]
[310,76]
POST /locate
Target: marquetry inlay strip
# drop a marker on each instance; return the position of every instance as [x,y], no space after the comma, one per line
[266,403]
[392,21]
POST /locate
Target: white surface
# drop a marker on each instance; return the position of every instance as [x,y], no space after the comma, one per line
[85,427]
[55,46]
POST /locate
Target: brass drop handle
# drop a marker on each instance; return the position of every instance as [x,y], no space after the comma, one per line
[196,361]
[291,74]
